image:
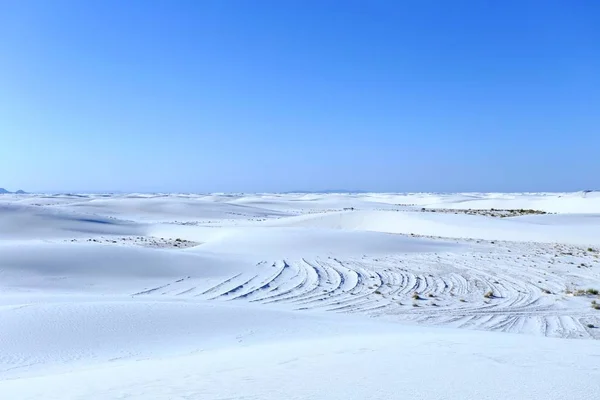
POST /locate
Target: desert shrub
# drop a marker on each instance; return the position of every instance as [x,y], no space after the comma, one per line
[489,295]
[591,326]
[592,291]
[416,296]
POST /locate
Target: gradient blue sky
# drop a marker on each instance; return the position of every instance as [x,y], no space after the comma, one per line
[204,96]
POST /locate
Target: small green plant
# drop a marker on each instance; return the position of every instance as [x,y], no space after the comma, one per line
[489,295]
[592,291]
[590,249]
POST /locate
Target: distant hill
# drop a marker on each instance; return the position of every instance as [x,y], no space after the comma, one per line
[4,191]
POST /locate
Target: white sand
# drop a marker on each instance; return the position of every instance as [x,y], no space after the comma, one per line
[291,296]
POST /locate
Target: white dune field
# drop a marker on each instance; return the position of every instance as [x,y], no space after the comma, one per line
[298,296]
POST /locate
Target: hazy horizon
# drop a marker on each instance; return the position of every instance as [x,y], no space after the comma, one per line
[325,191]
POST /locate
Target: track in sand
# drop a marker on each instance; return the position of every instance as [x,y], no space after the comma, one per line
[499,286]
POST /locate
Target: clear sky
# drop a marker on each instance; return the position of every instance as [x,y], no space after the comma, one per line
[205,96]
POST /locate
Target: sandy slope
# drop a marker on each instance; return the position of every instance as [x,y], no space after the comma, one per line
[583,229]
[291,296]
[389,364]
[29,222]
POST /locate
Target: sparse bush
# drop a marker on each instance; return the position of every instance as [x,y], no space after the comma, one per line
[546,291]
[592,291]
[579,292]
[416,296]
[415,305]
[489,295]
[591,326]
[596,306]
[463,301]
[431,295]
[377,292]
[590,249]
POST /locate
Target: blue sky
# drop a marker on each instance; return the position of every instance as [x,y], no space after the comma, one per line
[204,96]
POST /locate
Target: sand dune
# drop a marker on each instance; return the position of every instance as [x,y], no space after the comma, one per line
[29,222]
[575,229]
[174,296]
